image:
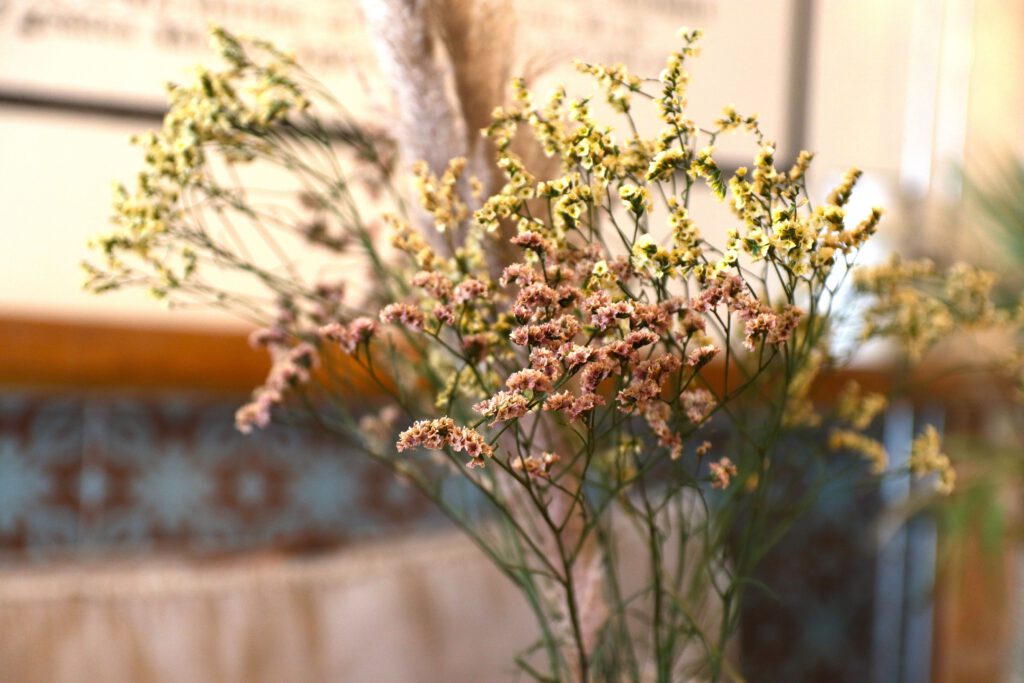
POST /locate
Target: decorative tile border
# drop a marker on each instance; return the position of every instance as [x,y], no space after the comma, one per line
[171,473]
[84,475]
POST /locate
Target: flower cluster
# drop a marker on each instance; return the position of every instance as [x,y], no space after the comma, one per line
[443,433]
[859,409]
[226,113]
[722,473]
[871,449]
[405,314]
[348,337]
[920,305]
[576,329]
[926,457]
[439,196]
[291,367]
[534,465]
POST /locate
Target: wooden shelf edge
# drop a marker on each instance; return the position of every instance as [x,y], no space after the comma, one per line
[47,353]
[37,353]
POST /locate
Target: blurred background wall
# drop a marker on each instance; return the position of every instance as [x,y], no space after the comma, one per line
[907,90]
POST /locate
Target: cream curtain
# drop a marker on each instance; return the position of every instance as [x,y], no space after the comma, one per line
[423,610]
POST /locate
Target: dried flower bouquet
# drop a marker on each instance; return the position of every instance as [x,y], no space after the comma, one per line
[620,379]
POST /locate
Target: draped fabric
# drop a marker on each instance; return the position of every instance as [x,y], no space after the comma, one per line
[423,610]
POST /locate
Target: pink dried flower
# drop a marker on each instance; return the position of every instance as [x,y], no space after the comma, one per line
[647,380]
[434,435]
[675,446]
[596,300]
[596,372]
[293,366]
[268,337]
[656,414]
[657,317]
[470,289]
[405,314]
[333,332]
[698,404]
[533,241]
[528,380]
[573,408]
[701,355]
[302,354]
[603,312]
[560,401]
[556,332]
[733,286]
[288,375]
[637,394]
[620,350]
[692,322]
[430,434]
[328,297]
[584,404]
[561,272]
[763,323]
[535,302]
[730,290]
[257,412]
[362,327]
[503,406]
[435,284]
[471,442]
[786,322]
[348,337]
[546,361]
[446,314]
[527,334]
[657,368]
[538,466]
[567,295]
[575,355]
[519,274]
[640,338]
[760,326]
[673,305]
[746,306]
[708,299]
[722,473]
[622,268]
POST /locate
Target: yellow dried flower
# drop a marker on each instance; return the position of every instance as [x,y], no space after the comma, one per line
[870,449]
[926,457]
[665,163]
[636,198]
[841,194]
[859,409]
[440,197]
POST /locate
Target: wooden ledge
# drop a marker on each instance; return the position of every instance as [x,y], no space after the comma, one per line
[75,355]
[47,353]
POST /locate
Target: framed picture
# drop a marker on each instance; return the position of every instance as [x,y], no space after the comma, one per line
[113,56]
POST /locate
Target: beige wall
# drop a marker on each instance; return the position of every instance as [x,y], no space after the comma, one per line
[56,169]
